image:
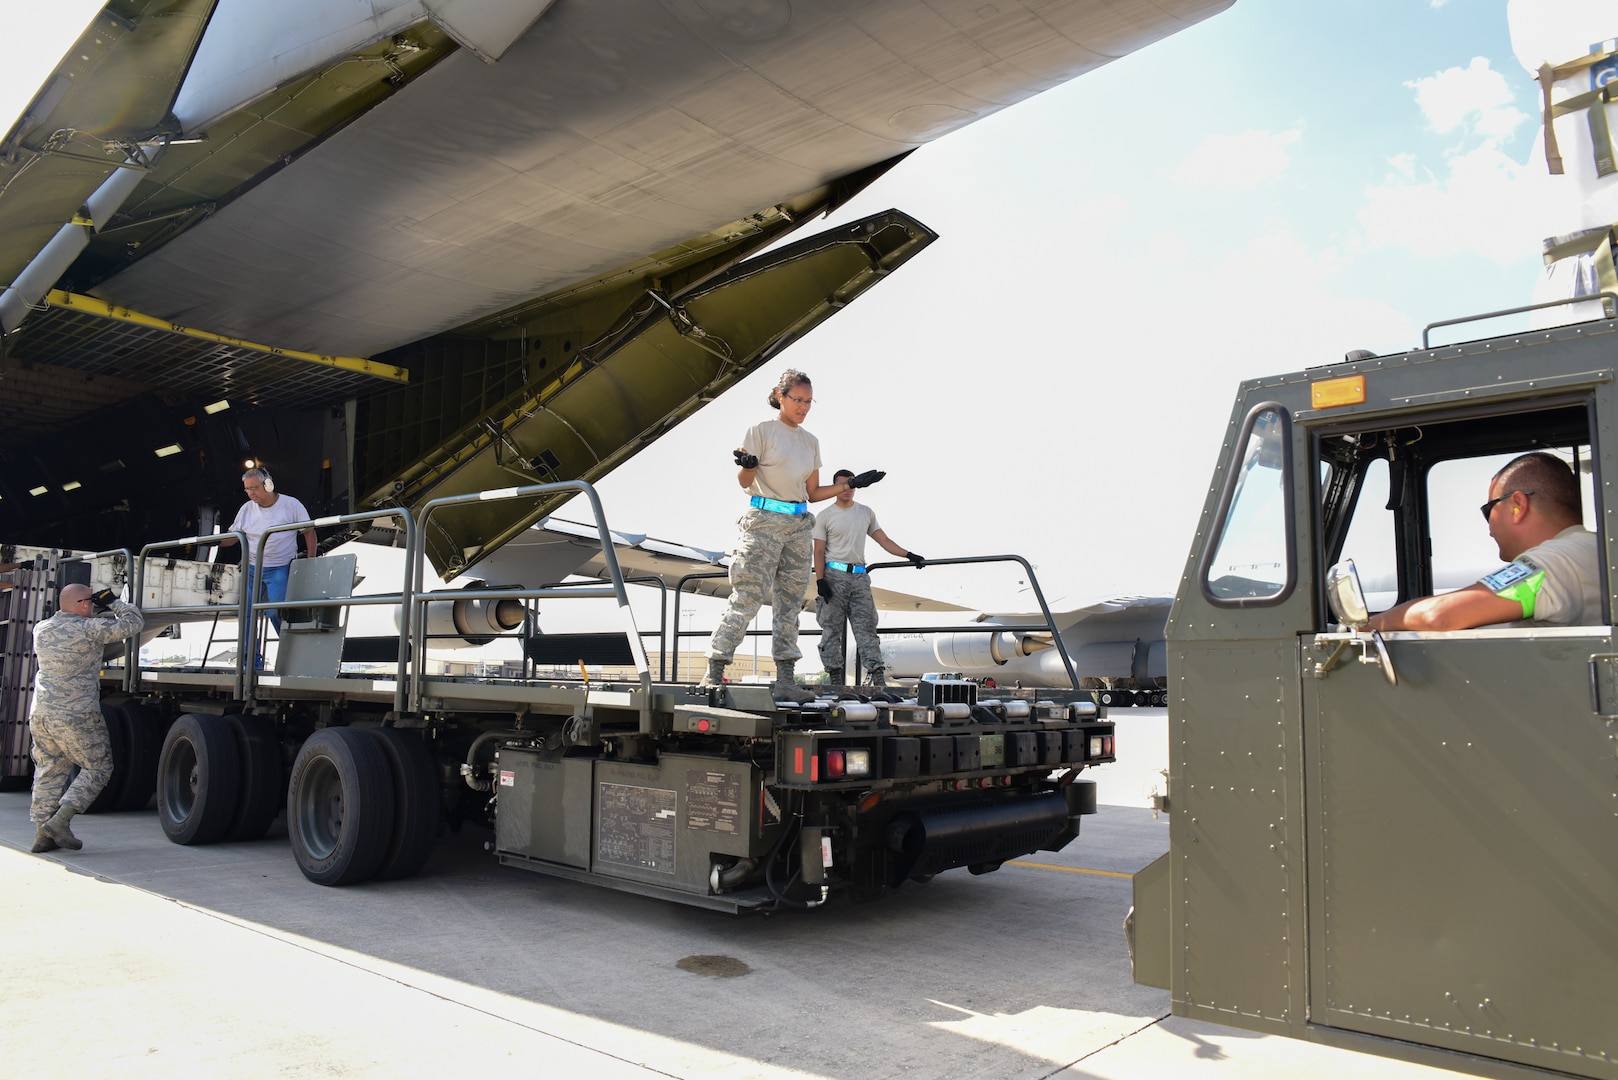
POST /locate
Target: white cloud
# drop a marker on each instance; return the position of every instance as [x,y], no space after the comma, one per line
[1234,162]
[1483,204]
[1475,99]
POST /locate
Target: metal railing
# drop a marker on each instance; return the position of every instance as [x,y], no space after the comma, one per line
[401,599]
[420,598]
[650,581]
[1049,625]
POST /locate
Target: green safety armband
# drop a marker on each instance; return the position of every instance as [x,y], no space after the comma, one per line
[1519,582]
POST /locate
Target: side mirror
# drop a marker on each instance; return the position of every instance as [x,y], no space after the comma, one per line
[1345,596]
[1347,602]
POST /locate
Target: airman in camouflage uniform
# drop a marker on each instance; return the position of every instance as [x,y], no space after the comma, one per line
[779,468]
[843,586]
[66,715]
[771,565]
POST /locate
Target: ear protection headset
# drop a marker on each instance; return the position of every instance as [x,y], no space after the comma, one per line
[269,481]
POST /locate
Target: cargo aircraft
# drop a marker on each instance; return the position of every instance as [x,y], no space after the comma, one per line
[398,249]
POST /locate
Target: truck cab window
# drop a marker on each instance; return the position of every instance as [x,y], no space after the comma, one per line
[1370,541]
[1251,559]
[1461,552]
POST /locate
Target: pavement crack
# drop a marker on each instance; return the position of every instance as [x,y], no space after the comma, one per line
[1106,1046]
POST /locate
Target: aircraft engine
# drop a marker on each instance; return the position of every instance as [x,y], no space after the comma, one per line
[470,622]
[960,651]
[1028,658]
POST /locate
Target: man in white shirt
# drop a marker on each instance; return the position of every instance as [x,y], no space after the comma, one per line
[841,583]
[266,507]
[1553,577]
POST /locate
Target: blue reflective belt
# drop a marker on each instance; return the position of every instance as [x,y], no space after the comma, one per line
[759,502]
[857,568]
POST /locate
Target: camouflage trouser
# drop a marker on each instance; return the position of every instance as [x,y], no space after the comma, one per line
[851,602]
[775,557]
[61,742]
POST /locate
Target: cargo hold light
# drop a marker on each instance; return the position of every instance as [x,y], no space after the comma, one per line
[40,490]
[72,485]
[847,764]
[216,407]
[167,451]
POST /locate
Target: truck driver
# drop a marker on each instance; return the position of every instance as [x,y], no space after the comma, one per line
[1553,576]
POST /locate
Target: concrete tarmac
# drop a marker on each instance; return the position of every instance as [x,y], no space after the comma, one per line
[139,958]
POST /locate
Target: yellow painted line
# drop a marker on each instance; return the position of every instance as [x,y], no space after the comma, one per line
[1069,869]
[106,310]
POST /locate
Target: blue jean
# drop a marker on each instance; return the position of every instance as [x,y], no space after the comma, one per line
[270,587]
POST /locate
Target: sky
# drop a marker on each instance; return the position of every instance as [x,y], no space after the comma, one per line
[1263,192]
[1260,193]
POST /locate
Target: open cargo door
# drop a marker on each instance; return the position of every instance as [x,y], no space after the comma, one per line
[672,355]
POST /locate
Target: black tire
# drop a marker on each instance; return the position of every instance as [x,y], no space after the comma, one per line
[340,806]
[143,727]
[198,779]
[259,800]
[118,736]
[416,802]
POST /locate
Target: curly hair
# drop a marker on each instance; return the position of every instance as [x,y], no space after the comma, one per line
[790,379]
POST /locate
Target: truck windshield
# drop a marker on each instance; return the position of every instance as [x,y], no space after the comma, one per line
[1251,558]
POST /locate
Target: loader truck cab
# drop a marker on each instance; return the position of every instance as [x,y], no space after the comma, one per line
[1401,843]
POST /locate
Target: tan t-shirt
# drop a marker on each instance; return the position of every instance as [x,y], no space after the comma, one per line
[845,531]
[1557,582]
[786,457]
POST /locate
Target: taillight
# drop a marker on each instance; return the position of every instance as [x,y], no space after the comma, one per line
[848,764]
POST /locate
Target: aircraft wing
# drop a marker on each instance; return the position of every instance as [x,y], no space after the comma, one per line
[553,549]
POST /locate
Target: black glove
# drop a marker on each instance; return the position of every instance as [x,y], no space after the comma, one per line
[917,559]
[744,460]
[102,599]
[865,479]
[823,588]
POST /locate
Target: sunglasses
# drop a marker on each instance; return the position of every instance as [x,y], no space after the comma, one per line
[1488,507]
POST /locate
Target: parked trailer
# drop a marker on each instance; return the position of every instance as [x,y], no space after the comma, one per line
[717,797]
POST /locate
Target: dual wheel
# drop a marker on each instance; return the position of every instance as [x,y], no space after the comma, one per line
[135,735]
[361,803]
[219,778]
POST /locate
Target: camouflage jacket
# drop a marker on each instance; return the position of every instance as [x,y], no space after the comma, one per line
[68,648]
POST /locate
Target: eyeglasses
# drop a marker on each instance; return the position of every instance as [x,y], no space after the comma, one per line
[1488,507]
[799,400]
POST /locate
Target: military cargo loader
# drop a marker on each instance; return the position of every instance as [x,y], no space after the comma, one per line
[718,797]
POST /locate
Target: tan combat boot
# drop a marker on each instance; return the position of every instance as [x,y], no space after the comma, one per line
[56,828]
[715,675]
[785,687]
